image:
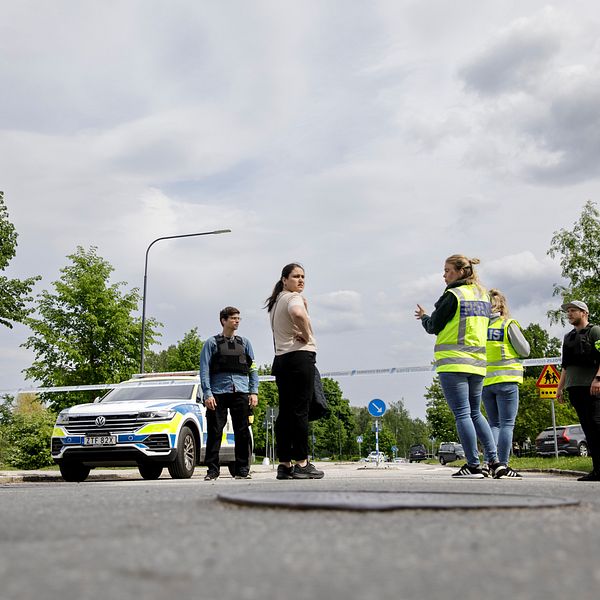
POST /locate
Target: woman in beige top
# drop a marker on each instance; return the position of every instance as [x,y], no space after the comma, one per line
[294,371]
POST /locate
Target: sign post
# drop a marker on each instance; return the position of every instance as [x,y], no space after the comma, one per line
[547,383]
[359,441]
[377,409]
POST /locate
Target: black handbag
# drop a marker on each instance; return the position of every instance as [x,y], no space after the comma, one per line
[318,408]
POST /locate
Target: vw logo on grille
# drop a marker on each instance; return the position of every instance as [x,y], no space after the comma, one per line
[100,421]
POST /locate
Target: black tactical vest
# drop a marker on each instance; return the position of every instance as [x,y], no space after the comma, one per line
[578,349]
[230,356]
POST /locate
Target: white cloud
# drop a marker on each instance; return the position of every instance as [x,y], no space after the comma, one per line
[367,143]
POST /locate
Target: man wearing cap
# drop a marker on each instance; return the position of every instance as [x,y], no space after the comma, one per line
[580,376]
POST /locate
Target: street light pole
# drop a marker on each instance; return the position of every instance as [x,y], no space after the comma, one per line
[168,237]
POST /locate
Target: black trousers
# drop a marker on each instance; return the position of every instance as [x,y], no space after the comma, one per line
[295,377]
[237,404]
[588,411]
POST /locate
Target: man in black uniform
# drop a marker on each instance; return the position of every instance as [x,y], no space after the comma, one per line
[229,380]
[580,376]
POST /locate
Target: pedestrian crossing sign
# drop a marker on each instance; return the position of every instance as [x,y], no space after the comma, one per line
[548,381]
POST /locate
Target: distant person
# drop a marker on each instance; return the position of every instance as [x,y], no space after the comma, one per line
[580,376]
[460,321]
[229,380]
[294,371]
[506,345]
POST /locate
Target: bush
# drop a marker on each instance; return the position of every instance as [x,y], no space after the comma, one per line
[25,437]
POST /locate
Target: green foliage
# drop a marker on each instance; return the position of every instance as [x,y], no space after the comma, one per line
[85,332]
[535,413]
[183,356]
[334,435]
[386,441]
[396,422]
[25,435]
[267,397]
[405,430]
[579,252]
[542,346]
[14,293]
[6,415]
[439,416]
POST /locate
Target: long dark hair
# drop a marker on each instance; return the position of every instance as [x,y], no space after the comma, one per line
[285,272]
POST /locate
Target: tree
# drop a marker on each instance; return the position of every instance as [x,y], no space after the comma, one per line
[535,413]
[334,435]
[183,356]
[25,434]
[386,441]
[268,396]
[439,416]
[406,431]
[85,332]
[579,252]
[542,346]
[14,293]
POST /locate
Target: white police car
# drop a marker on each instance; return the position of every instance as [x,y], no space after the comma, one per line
[152,421]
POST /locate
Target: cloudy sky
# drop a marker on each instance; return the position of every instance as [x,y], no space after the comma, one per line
[367,140]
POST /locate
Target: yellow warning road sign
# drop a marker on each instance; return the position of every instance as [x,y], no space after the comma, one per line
[548,379]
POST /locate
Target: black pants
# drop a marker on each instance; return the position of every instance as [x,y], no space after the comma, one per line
[588,411]
[295,377]
[237,403]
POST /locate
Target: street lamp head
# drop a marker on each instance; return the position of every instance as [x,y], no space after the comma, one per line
[168,237]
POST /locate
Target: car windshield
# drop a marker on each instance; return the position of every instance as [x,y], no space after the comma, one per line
[165,391]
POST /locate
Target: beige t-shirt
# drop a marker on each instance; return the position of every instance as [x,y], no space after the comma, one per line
[283,326]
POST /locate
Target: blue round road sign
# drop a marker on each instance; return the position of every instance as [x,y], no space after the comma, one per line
[376,407]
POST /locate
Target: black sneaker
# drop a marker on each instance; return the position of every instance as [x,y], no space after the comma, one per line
[243,474]
[469,472]
[210,476]
[593,476]
[485,469]
[507,473]
[500,471]
[284,472]
[309,471]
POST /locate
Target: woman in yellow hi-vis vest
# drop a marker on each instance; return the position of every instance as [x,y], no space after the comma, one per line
[460,321]
[506,345]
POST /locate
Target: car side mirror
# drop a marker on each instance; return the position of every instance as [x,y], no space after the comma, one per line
[96,399]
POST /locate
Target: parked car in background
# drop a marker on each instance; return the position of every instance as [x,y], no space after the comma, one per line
[449,452]
[416,453]
[373,457]
[570,439]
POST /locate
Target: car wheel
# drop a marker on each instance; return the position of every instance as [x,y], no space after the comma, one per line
[442,460]
[150,470]
[583,449]
[74,471]
[185,462]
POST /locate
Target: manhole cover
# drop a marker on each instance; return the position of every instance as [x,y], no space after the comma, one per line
[335,500]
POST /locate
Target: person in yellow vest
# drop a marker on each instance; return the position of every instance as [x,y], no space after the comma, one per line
[460,321]
[506,346]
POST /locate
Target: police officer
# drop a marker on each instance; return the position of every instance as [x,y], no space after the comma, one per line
[580,376]
[229,379]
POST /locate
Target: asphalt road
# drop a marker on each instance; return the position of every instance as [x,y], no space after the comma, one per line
[128,538]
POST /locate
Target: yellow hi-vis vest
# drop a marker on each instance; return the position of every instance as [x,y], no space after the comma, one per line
[503,364]
[460,346]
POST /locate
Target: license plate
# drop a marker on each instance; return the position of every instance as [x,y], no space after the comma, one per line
[100,440]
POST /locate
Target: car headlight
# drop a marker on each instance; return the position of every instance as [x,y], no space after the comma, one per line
[63,418]
[162,415]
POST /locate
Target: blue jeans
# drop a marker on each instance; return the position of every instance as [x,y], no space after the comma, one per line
[501,401]
[463,394]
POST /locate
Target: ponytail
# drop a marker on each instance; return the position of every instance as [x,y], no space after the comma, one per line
[285,273]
